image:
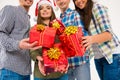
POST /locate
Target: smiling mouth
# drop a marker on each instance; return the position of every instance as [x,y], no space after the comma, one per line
[29,0]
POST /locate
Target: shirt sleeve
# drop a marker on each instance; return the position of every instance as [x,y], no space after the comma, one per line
[103,20]
[7,18]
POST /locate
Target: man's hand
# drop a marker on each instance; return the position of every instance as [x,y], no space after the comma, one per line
[24,44]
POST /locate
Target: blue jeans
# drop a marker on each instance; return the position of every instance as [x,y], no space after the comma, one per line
[64,77]
[9,75]
[81,72]
[108,71]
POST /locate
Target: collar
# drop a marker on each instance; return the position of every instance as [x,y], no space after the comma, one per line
[22,9]
[66,12]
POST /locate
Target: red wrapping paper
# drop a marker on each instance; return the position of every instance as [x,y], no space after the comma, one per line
[51,64]
[72,44]
[60,30]
[45,38]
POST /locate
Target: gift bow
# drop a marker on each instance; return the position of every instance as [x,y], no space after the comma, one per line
[40,27]
[56,24]
[71,30]
[54,53]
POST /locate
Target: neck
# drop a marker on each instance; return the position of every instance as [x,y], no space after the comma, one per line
[26,8]
[63,10]
[46,21]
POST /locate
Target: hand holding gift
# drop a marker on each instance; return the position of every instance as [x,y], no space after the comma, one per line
[40,65]
[54,60]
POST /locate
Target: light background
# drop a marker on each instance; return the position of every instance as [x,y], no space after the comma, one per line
[114,13]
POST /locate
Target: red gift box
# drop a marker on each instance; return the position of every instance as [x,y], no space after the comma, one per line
[57,23]
[45,37]
[72,44]
[51,64]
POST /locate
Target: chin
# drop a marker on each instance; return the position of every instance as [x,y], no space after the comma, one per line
[81,7]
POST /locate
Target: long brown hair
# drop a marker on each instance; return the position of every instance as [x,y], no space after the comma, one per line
[86,13]
[40,19]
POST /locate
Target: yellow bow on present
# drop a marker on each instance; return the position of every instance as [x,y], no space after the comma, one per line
[40,27]
[54,53]
[71,30]
[56,24]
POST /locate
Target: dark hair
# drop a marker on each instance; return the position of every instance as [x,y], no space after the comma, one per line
[40,19]
[86,13]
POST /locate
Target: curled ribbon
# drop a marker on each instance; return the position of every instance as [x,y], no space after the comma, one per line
[56,24]
[40,27]
[71,30]
[54,53]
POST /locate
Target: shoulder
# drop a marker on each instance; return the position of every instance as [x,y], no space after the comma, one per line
[8,9]
[99,6]
[75,13]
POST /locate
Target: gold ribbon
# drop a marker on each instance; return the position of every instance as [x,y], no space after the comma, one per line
[54,53]
[71,30]
[56,25]
[40,27]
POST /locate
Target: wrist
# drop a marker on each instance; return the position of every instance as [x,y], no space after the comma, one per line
[38,58]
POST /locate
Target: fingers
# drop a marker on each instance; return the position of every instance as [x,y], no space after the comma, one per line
[24,44]
[86,42]
[34,48]
[86,45]
[41,68]
[39,58]
[33,44]
[67,68]
[62,69]
[26,39]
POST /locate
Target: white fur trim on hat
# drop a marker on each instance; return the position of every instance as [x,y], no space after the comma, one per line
[44,2]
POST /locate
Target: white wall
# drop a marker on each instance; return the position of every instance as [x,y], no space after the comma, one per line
[114,11]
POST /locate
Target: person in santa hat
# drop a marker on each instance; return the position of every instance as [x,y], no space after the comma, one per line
[44,13]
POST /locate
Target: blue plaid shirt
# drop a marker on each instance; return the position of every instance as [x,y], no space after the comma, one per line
[71,17]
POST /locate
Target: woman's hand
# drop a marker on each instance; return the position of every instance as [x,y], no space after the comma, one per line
[87,41]
[62,69]
[98,38]
[40,65]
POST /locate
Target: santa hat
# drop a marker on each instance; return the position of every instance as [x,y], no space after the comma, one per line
[41,2]
[55,6]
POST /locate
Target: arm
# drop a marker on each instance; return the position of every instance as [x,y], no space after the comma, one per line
[99,38]
[101,17]
[6,25]
[7,22]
